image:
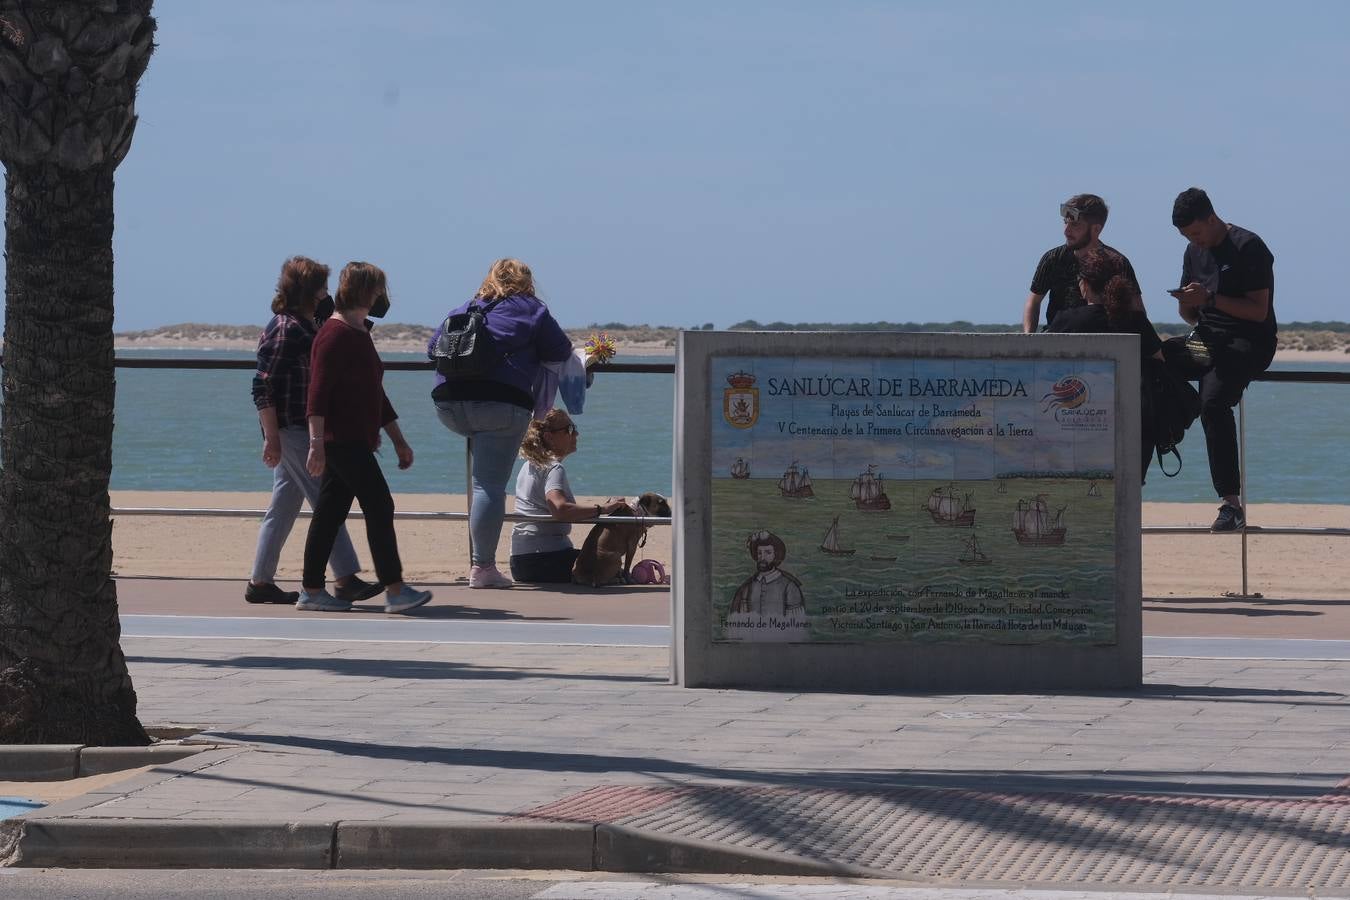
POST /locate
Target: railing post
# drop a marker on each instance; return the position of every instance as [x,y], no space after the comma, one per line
[1242,485]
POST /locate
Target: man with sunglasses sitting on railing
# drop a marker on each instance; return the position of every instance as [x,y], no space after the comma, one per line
[1057,273]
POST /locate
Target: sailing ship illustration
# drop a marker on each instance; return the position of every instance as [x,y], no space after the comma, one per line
[973,556]
[740,468]
[868,491]
[1002,486]
[1093,490]
[1036,524]
[796,483]
[949,506]
[830,543]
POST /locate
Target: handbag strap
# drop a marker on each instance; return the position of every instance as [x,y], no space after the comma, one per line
[1162,468]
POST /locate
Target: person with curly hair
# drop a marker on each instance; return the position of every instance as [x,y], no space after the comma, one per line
[1113,306]
[493,411]
[542,552]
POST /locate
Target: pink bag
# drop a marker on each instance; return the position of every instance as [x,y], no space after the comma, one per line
[649,571]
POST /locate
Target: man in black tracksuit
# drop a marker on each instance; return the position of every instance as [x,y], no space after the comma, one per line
[1228,292]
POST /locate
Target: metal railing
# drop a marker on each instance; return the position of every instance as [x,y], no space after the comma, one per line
[1308,377]
[1247,530]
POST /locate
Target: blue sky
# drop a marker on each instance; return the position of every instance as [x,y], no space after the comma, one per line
[688,163]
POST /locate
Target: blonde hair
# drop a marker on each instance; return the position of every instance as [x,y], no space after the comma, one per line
[506,278]
[359,285]
[532,448]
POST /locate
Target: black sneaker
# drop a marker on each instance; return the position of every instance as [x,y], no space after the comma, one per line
[357,590]
[1231,518]
[269,593]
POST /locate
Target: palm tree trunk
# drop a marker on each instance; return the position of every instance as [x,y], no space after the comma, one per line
[68,76]
[63,678]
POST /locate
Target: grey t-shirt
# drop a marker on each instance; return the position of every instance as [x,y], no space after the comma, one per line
[532,487]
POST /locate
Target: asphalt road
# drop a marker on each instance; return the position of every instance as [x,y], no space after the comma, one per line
[227,884]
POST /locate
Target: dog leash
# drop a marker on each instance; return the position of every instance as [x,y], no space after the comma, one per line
[639,513]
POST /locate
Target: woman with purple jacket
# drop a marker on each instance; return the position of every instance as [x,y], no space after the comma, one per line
[493,412]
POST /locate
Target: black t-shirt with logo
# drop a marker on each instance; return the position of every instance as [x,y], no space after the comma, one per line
[1057,276]
[1240,264]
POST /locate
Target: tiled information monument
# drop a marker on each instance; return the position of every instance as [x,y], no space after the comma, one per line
[882,511]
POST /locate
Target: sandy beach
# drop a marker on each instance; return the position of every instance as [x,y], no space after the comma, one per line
[1175,566]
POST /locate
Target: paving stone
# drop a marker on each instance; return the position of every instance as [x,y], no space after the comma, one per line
[474,749]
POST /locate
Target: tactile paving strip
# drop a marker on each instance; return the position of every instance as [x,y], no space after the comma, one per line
[1042,838]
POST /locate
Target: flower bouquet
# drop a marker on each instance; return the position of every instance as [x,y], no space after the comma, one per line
[599,349]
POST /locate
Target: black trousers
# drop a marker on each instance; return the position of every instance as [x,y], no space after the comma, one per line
[1235,361]
[553,567]
[1145,428]
[352,473]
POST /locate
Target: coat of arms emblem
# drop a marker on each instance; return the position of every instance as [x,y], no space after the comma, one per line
[740,402]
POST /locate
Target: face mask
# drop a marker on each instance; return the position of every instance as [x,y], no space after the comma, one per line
[380,307]
[323,310]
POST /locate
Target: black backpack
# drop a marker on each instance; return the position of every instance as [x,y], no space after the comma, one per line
[465,350]
[1176,404]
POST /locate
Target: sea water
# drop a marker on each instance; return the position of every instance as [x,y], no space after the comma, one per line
[197,430]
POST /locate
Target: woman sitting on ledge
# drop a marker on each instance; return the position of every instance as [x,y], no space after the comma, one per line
[1113,307]
[542,552]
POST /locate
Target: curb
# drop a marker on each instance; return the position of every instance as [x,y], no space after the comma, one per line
[203,844]
[490,845]
[62,762]
[164,844]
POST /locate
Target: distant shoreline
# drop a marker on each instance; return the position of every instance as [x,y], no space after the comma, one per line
[634,348]
[402,343]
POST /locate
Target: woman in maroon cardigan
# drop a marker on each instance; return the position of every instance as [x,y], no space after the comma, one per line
[346,409]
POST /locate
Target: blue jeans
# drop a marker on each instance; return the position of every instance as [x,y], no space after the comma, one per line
[291,486]
[495,431]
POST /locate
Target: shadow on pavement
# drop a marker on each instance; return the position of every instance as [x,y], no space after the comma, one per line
[391,668]
[452,611]
[1247,601]
[1235,611]
[1187,783]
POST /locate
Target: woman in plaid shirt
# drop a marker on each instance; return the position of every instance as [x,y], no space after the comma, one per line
[280,387]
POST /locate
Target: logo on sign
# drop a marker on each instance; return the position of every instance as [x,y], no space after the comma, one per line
[1070,392]
[740,401]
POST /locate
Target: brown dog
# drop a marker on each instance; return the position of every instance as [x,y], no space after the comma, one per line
[607,555]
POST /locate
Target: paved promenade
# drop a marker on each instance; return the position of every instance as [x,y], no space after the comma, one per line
[416,742]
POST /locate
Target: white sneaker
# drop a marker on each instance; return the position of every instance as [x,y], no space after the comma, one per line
[322,602]
[406,599]
[488,577]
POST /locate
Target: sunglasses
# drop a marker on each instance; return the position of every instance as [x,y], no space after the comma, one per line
[1069,213]
[570,429]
